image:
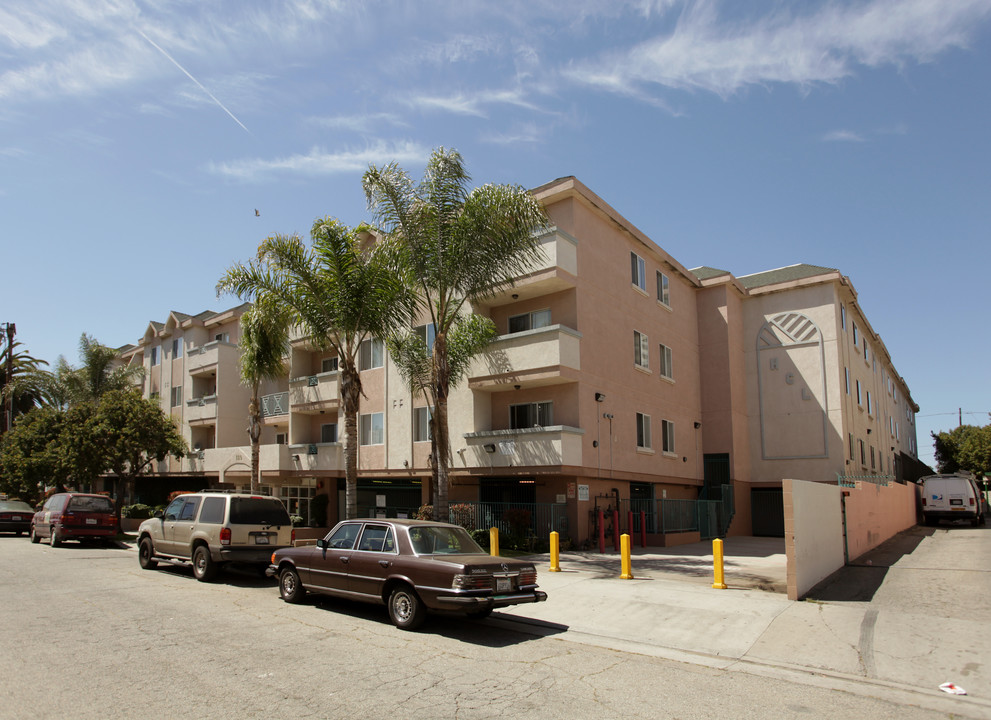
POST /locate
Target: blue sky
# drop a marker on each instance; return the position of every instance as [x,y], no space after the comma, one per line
[137,139]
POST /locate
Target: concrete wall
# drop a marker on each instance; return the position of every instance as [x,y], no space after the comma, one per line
[813,533]
[814,526]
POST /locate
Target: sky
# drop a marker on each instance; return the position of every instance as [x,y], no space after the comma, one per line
[138,140]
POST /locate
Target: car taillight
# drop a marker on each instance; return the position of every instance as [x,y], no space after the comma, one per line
[972,502]
[68,518]
[923,501]
[272,559]
[472,582]
[225,536]
[292,538]
[528,577]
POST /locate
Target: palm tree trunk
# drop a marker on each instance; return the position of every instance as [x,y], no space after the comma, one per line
[254,433]
[441,386]
[350,401]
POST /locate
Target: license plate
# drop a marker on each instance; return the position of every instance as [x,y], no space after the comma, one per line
[503,585]
[261,539]
[91,521]
[956,501]
[15,518]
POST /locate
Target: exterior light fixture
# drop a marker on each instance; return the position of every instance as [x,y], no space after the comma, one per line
[489,448]
[599,397]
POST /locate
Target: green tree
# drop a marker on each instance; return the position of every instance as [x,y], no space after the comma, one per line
[967,447]
[460,246]
[101,371]
[124,436]
[264,346]
[339,292]
[29,454]
[27,380]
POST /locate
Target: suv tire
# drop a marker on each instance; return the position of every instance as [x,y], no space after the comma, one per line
[204,568]
[146,554]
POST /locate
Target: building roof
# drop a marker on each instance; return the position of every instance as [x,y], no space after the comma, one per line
[785,274]
[705,272]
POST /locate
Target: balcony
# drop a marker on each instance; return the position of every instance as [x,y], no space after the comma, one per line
[206,359]
[311,457]
[275,404]
[546,356]
[202,410]
[556,270]
[271,458]
[552,446]
[314,393]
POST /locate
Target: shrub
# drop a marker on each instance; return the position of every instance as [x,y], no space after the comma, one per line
[138,511]
[481,537]
[425,512]
[463,514]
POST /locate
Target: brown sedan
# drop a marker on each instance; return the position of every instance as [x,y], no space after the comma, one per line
[410,566]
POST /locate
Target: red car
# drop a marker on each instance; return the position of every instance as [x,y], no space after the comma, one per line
[75,516]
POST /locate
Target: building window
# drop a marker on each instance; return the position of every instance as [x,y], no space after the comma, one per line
[667,362]
[870,405]
[281,438]
[843,317]
[155,356]
[297,501]
[638,271]
[372,430]
[176,348]
[846,375]
[863,459]
[427,335]
[371,354]
[641,350]
[873,466]
[867,353]
[667,436]
[421,424]
[643,431]
[529,321]
[177,396]
[856,335]
[859,399]
[850,436]
[328,433]
[528,415]
[329,365]
[663,289]
[222,337]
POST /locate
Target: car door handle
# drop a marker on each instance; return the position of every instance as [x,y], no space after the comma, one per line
[384,563]
[345,560]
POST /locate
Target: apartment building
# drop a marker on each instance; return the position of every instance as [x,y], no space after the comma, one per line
[620,381]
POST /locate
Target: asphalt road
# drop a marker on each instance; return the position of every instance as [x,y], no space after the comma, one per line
[88,634]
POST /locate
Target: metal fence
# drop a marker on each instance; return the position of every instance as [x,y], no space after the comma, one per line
[710,518]
[518,520]
[852,480]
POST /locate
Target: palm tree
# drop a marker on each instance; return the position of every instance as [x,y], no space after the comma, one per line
[264,347]
[101,371]
[339,292]
[460,247]
[27,380]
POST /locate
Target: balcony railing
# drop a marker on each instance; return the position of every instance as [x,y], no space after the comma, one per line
[209,357]
[314,391]
[545,356]
[531,447]
[271,458]
[554,271]
[275,404]
[201,409]
[309,457]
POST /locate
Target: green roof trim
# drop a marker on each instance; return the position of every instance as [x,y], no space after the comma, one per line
[786,274]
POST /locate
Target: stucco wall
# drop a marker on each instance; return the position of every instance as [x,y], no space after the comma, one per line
[813,533]
[875,513]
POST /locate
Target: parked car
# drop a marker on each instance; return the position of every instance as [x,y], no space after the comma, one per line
[15,516]
[209,529]
[410,566]
[952,497]
[75,516]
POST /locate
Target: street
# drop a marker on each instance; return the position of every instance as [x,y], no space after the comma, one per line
[88,634]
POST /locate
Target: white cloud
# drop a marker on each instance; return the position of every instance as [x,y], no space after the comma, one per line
[321,162]
[474,104]
[706,52]
[359,123]
[843,136]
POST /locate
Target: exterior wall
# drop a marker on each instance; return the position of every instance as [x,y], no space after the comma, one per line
[875,513]
[813,534]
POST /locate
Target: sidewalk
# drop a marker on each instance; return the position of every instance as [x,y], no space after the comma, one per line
[895,638]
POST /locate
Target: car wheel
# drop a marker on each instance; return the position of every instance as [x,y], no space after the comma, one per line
[146,554]
[290,587]
[406,609]
[55,539]
[480,614]
[204,568]
[34,536]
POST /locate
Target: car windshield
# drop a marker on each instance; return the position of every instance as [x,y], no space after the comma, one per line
[258,511]
[440,539]
[15,505]
[83,503]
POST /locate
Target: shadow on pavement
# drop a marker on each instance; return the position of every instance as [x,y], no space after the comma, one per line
[860,580]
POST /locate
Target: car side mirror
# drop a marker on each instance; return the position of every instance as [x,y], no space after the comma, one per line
[322,543]
[159,514]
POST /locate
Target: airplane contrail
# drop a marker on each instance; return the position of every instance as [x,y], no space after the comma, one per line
[198,83]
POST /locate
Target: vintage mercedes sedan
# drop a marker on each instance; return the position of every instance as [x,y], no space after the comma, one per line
[410,566]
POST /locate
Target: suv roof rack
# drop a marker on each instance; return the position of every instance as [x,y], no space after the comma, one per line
[219,490]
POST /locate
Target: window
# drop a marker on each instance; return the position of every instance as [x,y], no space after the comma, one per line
[870,405]
[641,350]
[856,335]
[177,396]
[328,365]
[859,399]
[843,316]
[873,466]
[867,353]
[427,334]
[177,348]
[663,289]
[643,431]
[372,430]
[667,366]
[421,424]
[371,354]
[155,356]
[345,536]
[189,509]
[222,337]
[638,270]
[863,459]
[281,439]
[667,436]
[529,321]
[377,538]
[528,415]
[213,510]
[328,433]
[846,374]
[850,435]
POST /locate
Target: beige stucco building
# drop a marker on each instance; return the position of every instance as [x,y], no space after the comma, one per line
[620,380]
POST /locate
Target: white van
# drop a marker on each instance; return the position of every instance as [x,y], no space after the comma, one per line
[951,497]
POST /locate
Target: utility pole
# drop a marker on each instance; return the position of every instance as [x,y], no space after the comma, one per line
[10,329]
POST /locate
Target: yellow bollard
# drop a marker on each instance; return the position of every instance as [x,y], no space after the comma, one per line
[494,541]
[624,544]
[717,564]
[555,555]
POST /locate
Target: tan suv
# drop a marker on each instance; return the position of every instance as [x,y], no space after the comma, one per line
[210,529]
